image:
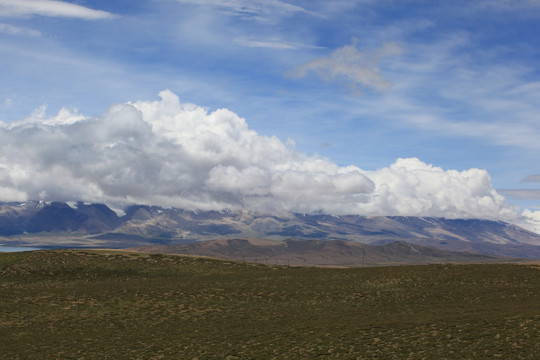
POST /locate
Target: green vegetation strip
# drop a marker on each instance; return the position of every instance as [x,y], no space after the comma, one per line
[67,304]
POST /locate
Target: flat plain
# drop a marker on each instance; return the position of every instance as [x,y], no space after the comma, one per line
[82,304]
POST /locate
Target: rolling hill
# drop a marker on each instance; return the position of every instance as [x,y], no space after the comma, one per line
[321,252]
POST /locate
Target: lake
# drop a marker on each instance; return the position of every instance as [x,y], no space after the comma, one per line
[16,248]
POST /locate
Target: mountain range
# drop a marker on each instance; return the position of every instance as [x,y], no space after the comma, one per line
[58,224]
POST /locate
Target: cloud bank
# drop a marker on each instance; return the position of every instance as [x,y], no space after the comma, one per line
[175,154]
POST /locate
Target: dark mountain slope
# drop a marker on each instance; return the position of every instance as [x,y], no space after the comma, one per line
[95,225]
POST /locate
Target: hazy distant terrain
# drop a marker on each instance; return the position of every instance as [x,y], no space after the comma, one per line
[322,253]
[95,225]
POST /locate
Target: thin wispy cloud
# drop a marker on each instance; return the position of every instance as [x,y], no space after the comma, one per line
[260,10]
[522,194]
[507,5]
[276,44]
[15,30]
[265,44]
[531,178]
[500,132]
[448,94]
[51,8]
[353,68]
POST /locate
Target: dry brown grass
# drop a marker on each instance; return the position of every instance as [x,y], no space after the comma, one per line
[111,305]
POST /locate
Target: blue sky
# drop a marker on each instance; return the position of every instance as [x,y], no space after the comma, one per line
[453,83]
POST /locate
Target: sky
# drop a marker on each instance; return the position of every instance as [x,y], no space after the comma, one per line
[387,107]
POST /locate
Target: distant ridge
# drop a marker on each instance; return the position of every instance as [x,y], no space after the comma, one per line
[321,253]
[58,224]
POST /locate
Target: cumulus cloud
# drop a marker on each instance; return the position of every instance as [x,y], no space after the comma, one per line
[53,8]
[530,220]
[410,186]
[351,67]
[177,154]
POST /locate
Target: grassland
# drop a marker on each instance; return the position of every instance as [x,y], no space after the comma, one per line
[67,304]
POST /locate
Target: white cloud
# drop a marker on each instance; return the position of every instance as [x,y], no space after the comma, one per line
[53,8]
[272,44]
[174,154]
[410,186]
[530,220]
[38,117]
[277,44]
[350,66]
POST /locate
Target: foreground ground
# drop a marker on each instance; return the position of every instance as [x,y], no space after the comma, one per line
[98,305]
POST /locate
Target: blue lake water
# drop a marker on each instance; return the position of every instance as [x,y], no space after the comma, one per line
[16,248]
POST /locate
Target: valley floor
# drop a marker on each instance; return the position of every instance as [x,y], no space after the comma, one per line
[111,305]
